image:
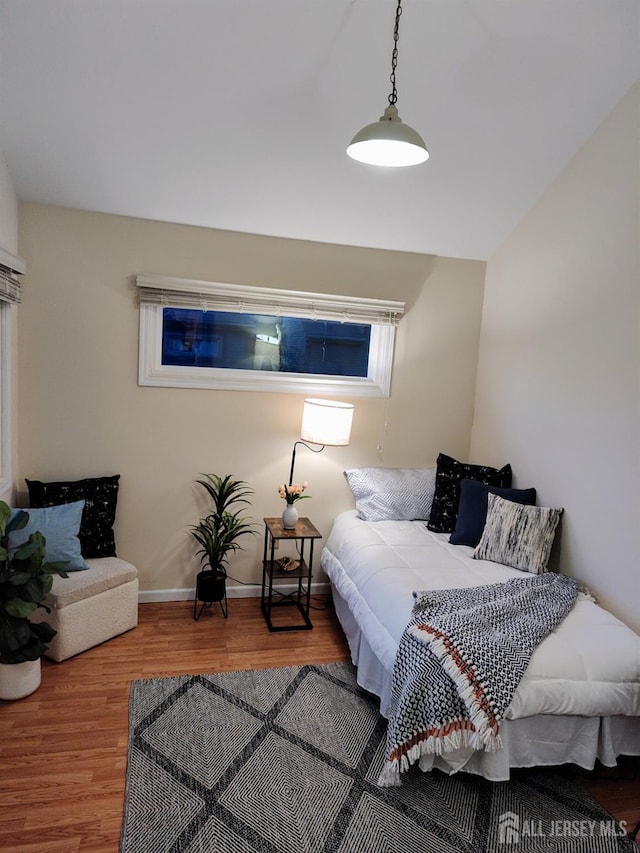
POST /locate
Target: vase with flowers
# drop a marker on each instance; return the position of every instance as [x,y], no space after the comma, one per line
[292,493]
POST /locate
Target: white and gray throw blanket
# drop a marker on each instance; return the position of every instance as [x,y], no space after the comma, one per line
[460,660]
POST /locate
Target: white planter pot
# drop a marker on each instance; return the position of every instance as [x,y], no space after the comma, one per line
[18,680]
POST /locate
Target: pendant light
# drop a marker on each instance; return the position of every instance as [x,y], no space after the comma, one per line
[388,141]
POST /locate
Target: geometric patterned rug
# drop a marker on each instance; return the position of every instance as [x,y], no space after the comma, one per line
[286,761]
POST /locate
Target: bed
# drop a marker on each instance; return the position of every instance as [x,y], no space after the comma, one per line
[579,699]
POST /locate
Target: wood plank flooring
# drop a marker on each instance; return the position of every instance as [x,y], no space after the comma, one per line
[63,749]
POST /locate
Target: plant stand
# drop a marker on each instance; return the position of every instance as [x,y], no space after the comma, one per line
[211,587]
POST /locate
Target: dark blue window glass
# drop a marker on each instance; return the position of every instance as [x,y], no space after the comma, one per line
[260,342]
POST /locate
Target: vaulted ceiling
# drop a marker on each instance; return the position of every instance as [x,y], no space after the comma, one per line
[235,114]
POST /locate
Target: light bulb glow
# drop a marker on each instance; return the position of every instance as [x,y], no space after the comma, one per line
[387,152]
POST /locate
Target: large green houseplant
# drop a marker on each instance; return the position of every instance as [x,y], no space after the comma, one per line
[218,533]
[25,581]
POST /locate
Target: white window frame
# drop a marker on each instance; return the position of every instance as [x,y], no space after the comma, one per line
[6,364]
[158,292]
[11,266]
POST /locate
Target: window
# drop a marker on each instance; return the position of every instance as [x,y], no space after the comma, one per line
[208,335]
[264,342]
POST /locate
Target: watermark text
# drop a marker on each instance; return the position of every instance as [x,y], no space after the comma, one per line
[512,828]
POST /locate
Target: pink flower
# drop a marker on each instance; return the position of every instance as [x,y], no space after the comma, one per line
[292,492]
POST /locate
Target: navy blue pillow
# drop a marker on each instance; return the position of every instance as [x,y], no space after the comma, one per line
[472,509]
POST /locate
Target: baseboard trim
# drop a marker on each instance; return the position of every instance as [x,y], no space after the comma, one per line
[147,596]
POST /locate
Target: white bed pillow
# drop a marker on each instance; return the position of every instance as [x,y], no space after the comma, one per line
[518,536]
[392,494]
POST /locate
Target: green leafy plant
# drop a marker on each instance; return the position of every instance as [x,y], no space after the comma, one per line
[25,581]
[218,532]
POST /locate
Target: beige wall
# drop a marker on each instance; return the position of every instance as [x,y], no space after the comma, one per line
[81,412]
[558,387]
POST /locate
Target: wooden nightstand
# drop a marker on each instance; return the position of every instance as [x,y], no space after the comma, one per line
[302,535]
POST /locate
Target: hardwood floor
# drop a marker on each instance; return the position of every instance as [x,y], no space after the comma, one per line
[63,749]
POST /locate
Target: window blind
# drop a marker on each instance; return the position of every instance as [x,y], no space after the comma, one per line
[216,296]
[10,268]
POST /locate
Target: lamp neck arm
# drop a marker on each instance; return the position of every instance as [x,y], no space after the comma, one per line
[293,455]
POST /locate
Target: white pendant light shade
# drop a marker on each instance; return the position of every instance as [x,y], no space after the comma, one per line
[388,142]
[326,422]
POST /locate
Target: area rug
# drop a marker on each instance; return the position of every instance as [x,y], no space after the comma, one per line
[286,761]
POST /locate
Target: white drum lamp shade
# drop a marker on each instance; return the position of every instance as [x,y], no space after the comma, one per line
[326,422]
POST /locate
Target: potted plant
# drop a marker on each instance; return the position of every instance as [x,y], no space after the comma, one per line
[25,581]
[217,534]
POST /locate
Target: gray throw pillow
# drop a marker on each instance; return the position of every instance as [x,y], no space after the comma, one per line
[518,536]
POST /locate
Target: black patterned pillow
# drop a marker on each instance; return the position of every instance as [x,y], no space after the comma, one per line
[518,536]
[449,475]
[100,495]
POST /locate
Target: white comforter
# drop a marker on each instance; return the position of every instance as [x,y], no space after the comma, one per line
[589,666]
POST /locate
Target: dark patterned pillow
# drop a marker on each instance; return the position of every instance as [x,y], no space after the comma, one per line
[449,475]
[100,495]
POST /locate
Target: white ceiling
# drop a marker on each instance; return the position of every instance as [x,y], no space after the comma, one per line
[235,114]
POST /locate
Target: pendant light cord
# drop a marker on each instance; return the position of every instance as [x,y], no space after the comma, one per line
[393,97]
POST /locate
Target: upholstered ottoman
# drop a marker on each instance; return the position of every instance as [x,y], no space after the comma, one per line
[91,606]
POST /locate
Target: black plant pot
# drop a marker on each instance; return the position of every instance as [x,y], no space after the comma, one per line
[210,587]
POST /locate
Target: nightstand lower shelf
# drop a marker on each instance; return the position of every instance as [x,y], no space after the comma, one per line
[299,596]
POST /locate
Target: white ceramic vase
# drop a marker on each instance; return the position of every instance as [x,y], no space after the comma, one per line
[289,517]
[18,680]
